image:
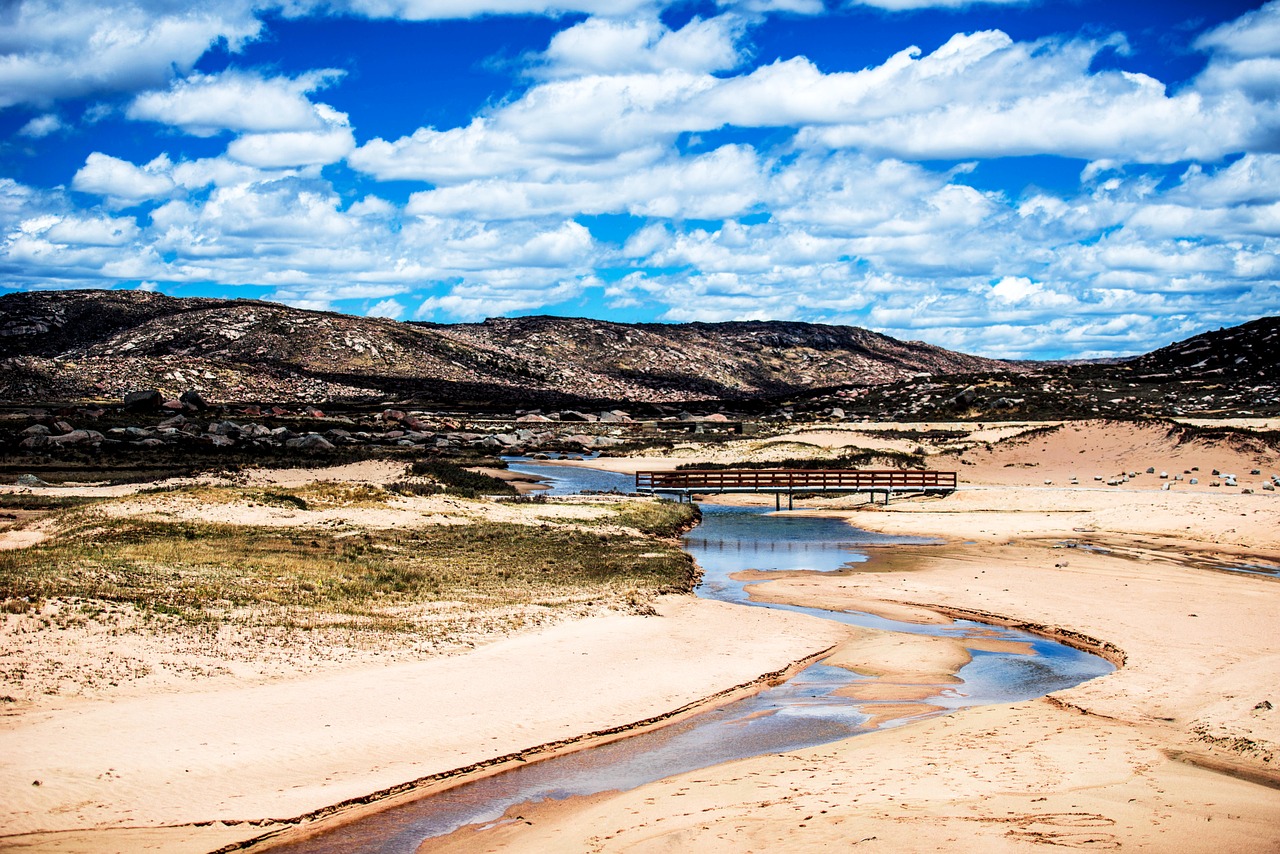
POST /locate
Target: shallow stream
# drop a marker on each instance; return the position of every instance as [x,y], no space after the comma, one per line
[802,712]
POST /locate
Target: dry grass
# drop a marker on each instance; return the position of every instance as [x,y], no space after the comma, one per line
[207,571]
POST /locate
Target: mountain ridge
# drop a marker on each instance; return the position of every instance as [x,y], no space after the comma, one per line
[100,344]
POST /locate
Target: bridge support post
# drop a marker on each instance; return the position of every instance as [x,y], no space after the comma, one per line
[790,505]
[777,501]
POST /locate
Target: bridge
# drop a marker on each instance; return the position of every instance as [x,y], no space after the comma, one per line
[885,482]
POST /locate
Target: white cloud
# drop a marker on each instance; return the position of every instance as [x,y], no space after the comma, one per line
[102,231]
[388,308]
[597,125]
[516,291]
[121,181]
[986,96]
[912,5]
[41,126]
[297,148]
[1253,34]
[66,48]
[428,10]
[724,182]
[624,46]
[206,104]
[978,95]
[1254,178]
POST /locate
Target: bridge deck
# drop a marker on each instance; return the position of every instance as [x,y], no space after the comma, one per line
[795,480]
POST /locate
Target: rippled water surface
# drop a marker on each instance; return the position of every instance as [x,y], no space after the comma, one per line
[802,712]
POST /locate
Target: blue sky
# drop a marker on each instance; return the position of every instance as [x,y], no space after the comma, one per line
[1036,179]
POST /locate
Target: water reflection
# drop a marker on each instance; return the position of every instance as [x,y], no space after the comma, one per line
[568,480]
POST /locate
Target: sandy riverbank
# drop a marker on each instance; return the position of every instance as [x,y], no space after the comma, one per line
[253,753]
[1176,751]
[1104,765]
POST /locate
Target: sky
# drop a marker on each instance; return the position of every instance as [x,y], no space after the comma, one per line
[1014,178]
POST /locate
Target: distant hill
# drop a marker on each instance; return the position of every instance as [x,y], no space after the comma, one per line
[1249,353]
[87,345]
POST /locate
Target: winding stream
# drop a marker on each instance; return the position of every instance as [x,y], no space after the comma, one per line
[804,711]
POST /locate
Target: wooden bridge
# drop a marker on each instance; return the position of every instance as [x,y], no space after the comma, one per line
[791,481]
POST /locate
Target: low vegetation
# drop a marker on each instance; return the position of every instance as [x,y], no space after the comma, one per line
[453,479]
[433,579]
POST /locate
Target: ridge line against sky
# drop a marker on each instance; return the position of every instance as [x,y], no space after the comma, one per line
[1035,179]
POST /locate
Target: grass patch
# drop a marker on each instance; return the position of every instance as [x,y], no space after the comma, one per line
[660,518]
[206,571]
[456,480]
[43,501]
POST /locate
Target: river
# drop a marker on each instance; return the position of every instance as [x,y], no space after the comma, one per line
[803,711]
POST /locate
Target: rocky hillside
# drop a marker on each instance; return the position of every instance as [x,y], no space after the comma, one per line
[99,345]
[1248,353]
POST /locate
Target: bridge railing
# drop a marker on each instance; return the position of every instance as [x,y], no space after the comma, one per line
[794,480]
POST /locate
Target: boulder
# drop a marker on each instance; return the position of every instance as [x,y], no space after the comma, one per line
[78,437]
[310,442]
[36,430]
[966,398]
[193,400]
[148,400]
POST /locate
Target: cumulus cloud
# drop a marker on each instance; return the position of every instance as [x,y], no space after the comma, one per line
[613,46]
[121,181]
[331,143]
[66,48]
[912,5]
[427,10]
[1253,34]
[978,95]
[387,308]
[602,125]
[724,182]
[206,104]
[99,231]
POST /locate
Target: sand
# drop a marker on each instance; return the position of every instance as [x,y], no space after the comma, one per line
[1173,752]
[289,747]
